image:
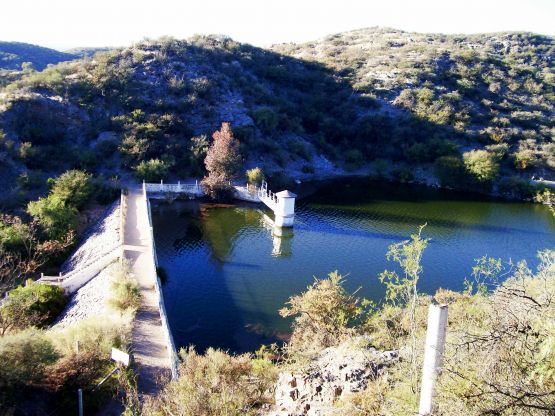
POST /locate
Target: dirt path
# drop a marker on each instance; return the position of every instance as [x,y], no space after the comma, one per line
[148,342]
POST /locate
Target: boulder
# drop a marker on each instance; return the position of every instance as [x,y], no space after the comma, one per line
[335,373]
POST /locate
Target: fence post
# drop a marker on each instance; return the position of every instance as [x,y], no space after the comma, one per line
[80,399]
[433,356]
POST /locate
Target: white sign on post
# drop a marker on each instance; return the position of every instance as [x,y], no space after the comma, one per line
[120,356]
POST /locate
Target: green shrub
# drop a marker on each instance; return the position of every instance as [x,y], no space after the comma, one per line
[516,187]
[354,157]
[25,357]
[450,171]
[300,149]
[54,214]
[255,176]
[97,334]
[74,187]
[28,180]
[215,383]
[125,294]
[307,169]
[35,304]
[152,170]
[13,232]
[324,315]
[265,119]
[481,164]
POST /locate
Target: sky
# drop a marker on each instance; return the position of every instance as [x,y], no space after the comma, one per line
[64,24]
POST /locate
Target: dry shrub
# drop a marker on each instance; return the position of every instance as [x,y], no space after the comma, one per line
[78,371]
[125,293]
[24,357]
[324,315]
[98,334]
[503,361]
[215,383]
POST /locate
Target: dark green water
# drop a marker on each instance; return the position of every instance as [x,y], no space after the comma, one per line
[229,274]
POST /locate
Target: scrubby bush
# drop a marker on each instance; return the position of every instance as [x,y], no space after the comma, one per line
[216,383]
[403,174]
[255,176]
[516,187]
[75,371]
[198,149]
[324,315]
[354,158]
[25,357]
[125,294]
[450,171]
[481,164]
[265,119]
[29,180]
[74,187]
[35,304]
[152,170]
[54,214]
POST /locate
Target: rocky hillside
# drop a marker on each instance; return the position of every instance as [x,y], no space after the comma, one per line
[373,100]
[494,89]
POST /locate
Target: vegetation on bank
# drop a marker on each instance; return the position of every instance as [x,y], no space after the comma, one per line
[499,355]
[42,236]
[44,363]
[477,108]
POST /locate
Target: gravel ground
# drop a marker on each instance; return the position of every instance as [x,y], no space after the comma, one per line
[88,301]
[96,240]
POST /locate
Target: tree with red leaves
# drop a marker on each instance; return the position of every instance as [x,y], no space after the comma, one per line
[222,162]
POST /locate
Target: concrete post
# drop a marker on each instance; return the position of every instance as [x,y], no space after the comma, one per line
[285,209]
[433,356]
[80,399]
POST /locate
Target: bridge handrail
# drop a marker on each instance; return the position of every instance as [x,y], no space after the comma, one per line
[195,189]
[62,277]
[170,344]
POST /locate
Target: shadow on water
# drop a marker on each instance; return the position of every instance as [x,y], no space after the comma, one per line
[201,310]
[230,270]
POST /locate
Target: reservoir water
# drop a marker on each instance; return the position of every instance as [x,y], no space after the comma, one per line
[229,273]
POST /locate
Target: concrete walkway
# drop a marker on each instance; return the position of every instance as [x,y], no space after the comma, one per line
[148,343]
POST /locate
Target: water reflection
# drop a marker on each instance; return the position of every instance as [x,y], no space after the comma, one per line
[282,238]
[230,270]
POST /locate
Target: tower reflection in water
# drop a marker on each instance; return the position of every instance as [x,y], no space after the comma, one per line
[282,238]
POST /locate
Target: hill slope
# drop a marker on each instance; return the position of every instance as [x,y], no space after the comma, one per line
[14,54]
[415,100]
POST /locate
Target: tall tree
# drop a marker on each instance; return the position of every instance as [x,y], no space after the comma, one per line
[223,161]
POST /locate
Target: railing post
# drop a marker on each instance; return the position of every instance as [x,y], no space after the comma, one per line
[433,356]
[80,401]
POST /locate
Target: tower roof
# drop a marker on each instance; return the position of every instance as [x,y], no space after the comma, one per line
[286,194]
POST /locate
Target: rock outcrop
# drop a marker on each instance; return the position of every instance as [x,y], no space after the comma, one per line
[334,374]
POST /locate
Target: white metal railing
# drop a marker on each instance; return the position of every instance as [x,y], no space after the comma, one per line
[172,351]
[191,189]
[267,196]
[247,193]
[122,216]
[76,278]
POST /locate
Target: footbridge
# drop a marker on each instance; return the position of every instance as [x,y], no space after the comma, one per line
[281,203]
